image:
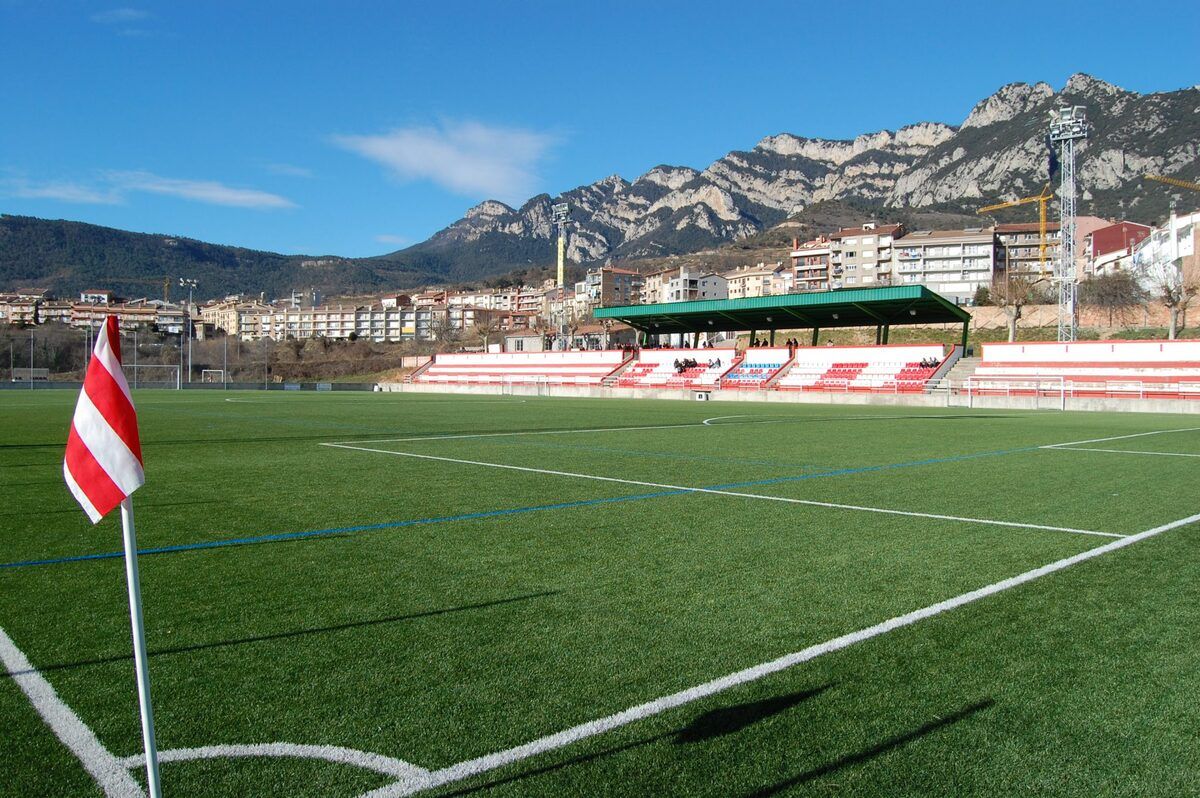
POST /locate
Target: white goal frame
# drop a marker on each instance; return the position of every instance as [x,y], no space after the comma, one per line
[219,373]
[150,372]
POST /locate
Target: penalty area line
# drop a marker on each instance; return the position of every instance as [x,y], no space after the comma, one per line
[1120,451]
[737,494]
[98,761]
[551,742]
[1120,437]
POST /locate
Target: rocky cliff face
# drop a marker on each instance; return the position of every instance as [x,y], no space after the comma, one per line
[998,152]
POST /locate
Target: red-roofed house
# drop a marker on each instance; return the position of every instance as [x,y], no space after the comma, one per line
[1111,248]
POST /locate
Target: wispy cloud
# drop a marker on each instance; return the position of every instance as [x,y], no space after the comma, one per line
[387,238]
[288,170]
[207,191]
[63,191]
[113,188]
[120,16]
[468,158]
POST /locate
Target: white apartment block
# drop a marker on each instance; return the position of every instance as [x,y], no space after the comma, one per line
[683,284]
[862,256]
[953,263]
[761,280]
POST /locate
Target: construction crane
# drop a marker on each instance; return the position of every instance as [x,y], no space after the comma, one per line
[1174,181]
[1042,200]
[164,281]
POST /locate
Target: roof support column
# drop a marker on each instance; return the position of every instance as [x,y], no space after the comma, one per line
[753,333]
[816,335]
[772,337]
[887,328]
[966,331]
[878,334]
[695,340]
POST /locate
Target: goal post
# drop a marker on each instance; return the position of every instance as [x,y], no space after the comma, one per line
[152,375]
[212,375]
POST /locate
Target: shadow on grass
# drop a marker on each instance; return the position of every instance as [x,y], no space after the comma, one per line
[867,754]
[241,641]
[143,505]
[716,723]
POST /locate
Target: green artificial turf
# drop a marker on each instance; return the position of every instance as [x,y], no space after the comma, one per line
[558,599]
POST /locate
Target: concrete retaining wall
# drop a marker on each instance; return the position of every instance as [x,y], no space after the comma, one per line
[941,399]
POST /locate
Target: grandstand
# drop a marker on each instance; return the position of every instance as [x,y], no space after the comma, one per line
[655,368]
[875,369]
[556,368]
[757,369]
[1108,369]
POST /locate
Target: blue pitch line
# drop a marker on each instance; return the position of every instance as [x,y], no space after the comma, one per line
[345,530]
[349,530]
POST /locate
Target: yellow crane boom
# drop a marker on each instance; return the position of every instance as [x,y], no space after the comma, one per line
[1042,200]
[1174,181]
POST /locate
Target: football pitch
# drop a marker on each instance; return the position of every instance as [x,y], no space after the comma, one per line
[390,594]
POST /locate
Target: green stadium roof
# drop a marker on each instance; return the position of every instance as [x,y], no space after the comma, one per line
[855,307]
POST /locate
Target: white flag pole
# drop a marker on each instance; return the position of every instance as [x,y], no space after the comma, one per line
[139,648]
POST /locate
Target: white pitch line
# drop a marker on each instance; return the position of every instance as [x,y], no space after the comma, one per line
[739,494]
[473,767]
[1121,451]
[704,423]
[708,422]
[97,760]
[512,434]
[1119,437]
[386,765]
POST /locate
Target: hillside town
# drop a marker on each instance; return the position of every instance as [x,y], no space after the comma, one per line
[963,265]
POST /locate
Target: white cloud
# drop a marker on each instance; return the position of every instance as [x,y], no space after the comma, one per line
[288,170]
[467,158]
[387,238]
[113,188]
[63,191]
[206,191]
[117,16]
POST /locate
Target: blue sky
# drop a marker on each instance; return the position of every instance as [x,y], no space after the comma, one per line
[358,128]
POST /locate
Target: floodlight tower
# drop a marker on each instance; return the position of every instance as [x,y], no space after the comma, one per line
[1068,124]
[560,216]
[190,284]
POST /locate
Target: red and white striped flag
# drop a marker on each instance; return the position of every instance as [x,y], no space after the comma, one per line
[103,464]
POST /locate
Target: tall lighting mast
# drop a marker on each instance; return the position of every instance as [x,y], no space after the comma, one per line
[190,284]
[560,216]
[1068,124]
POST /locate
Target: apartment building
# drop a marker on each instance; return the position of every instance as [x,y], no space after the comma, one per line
[953,263]
[1018,248]
[1173,247]
[1110,249]
[760,280]
[683,284]
[611,286]
[862,256]
[811,264]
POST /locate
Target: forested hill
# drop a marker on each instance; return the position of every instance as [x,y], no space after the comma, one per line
[67,257]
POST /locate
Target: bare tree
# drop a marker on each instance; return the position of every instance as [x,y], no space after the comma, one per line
[485,327]
[1013,291]
[1118,293]
[444,331]
[1170,285]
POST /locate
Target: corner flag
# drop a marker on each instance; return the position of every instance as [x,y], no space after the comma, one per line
[102,467]
[103,464]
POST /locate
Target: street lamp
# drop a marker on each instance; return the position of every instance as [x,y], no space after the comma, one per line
[190,285]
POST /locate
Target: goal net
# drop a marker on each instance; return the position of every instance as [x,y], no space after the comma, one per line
[151,375]
[212,375]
